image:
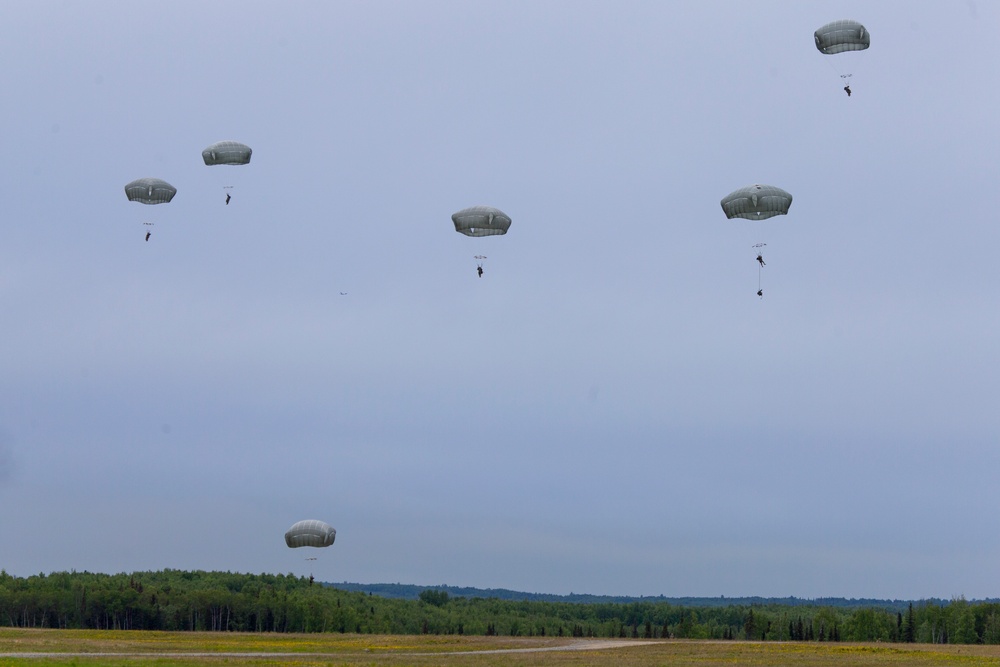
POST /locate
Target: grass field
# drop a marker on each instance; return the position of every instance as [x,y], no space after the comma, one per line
[92,647]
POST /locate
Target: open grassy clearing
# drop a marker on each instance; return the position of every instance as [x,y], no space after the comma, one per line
[95,647]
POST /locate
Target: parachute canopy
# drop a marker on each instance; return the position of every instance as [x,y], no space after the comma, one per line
[756,202]
[840,36]
[150,191]
[227,152]
[481,221]
[310,533]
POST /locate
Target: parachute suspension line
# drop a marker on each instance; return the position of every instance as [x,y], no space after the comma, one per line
[835,70]
[839,72]
[760,265]
[845,77]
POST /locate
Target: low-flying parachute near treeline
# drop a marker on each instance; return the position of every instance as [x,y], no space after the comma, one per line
[481,221]
[150,191]
[840,37]
[757,202]
[310,533]
[227,152]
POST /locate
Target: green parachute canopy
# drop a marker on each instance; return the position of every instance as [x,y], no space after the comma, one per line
[150,191]
[227,152]
[840,36]
[481,221]
[310,533]
[756,202]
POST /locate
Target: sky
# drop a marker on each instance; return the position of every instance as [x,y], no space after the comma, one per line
[611,409]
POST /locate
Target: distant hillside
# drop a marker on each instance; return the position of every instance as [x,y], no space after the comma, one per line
[412,592]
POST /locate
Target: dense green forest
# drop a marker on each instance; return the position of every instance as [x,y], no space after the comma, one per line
[412,592]
[224,601]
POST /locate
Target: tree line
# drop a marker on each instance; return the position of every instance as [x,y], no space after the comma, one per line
[234,602]
[412,592]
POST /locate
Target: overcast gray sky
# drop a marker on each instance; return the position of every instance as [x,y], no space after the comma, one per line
[610,409]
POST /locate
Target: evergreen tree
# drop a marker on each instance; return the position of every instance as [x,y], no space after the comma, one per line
[749,625]
[910,626]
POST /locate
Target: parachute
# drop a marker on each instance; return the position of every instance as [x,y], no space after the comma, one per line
[481,221]
[150,191]
[310,533]
[227,152]
[839,36]
[756,202]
